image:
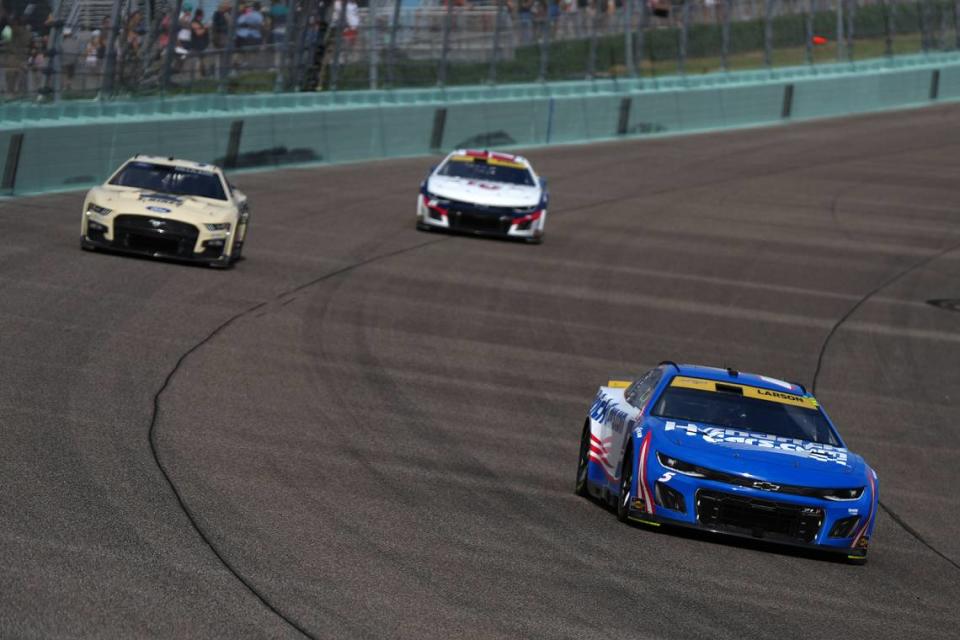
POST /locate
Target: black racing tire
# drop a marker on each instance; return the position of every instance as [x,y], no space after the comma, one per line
[537,240]
[626,484]
[86,245]
[581,488]
[422,227]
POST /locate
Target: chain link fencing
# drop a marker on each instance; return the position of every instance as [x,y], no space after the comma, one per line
[128,48]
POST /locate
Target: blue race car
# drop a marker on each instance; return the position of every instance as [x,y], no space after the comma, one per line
[728,452]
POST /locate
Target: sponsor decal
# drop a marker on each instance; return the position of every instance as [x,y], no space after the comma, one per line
[749,439]
[604,409]
[161,197]
[748,391]
[619,384]
[158,209]
[484,185]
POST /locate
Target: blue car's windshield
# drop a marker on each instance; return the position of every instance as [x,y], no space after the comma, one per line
[180,181]
[735,411]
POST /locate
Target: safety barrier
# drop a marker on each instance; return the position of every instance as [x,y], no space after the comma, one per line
[70,145]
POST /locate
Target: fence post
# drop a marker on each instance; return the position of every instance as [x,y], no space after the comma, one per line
[374,44]
[338,45]
[497,26]
[808,30]
[279,79]
[51,84]
[628,51]
[171,44]
[226,56]
[768,33]
[684,34]
[592,56]
[725,35]
[442,66]
[109,67]
[851,16]
[839,31]
[544,47]
[392,53]
[956,24]
[637,51]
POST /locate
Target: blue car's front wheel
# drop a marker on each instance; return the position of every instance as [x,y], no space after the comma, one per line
[626,486]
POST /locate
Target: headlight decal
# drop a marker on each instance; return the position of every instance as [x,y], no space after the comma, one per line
[97,209]
[688,469]
[217,226]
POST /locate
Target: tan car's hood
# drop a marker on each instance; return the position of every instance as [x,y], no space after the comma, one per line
[150,203]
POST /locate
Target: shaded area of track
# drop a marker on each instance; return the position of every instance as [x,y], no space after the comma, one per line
[376,429]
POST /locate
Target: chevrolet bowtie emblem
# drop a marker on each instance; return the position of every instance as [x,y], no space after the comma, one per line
[766,486]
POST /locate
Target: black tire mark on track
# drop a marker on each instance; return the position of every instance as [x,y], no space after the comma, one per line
[154,419]
[823,350]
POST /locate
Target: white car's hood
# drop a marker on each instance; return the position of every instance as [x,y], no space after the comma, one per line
[494,194]
[151,203]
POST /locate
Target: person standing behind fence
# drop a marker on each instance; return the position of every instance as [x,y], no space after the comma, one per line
[250,26]
[525,14]
[199,40]
[220,26]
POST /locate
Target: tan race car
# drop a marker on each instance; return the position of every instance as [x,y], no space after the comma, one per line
[167,208]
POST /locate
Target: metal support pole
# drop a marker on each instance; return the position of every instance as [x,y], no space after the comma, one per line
[51,85]
[768,33]
[628,52]
[839,33]
[808,30]
[544,48]
[891,26]
[109,67]
[641,32]
[442,65]
[338,45]
[922,15]
[374,47]
[226,56]
[497,27]
[392,55]
[306,13]
[173,27]
[851,16]
[592,57]
[278,81]
[684,35]
[956,24]
[725,35]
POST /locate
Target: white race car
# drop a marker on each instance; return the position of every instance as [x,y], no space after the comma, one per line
[164,207]
[484,193]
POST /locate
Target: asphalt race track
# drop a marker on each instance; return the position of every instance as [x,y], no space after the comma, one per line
[365,431]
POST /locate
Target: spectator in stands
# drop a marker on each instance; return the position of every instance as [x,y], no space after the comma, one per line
[71,51]
[525,13]
[184,34]
[351,21]
[278,22]
[14,56]
[220,25]
[250,26]
[199,40]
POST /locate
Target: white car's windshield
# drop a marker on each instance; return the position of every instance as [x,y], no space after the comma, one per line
[491,170]
[181,181]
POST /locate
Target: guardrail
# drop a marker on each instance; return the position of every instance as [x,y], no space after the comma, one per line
[74,144]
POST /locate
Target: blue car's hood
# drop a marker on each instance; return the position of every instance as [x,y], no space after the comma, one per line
[760,455]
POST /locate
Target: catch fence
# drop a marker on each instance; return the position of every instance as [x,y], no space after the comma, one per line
[309,45]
